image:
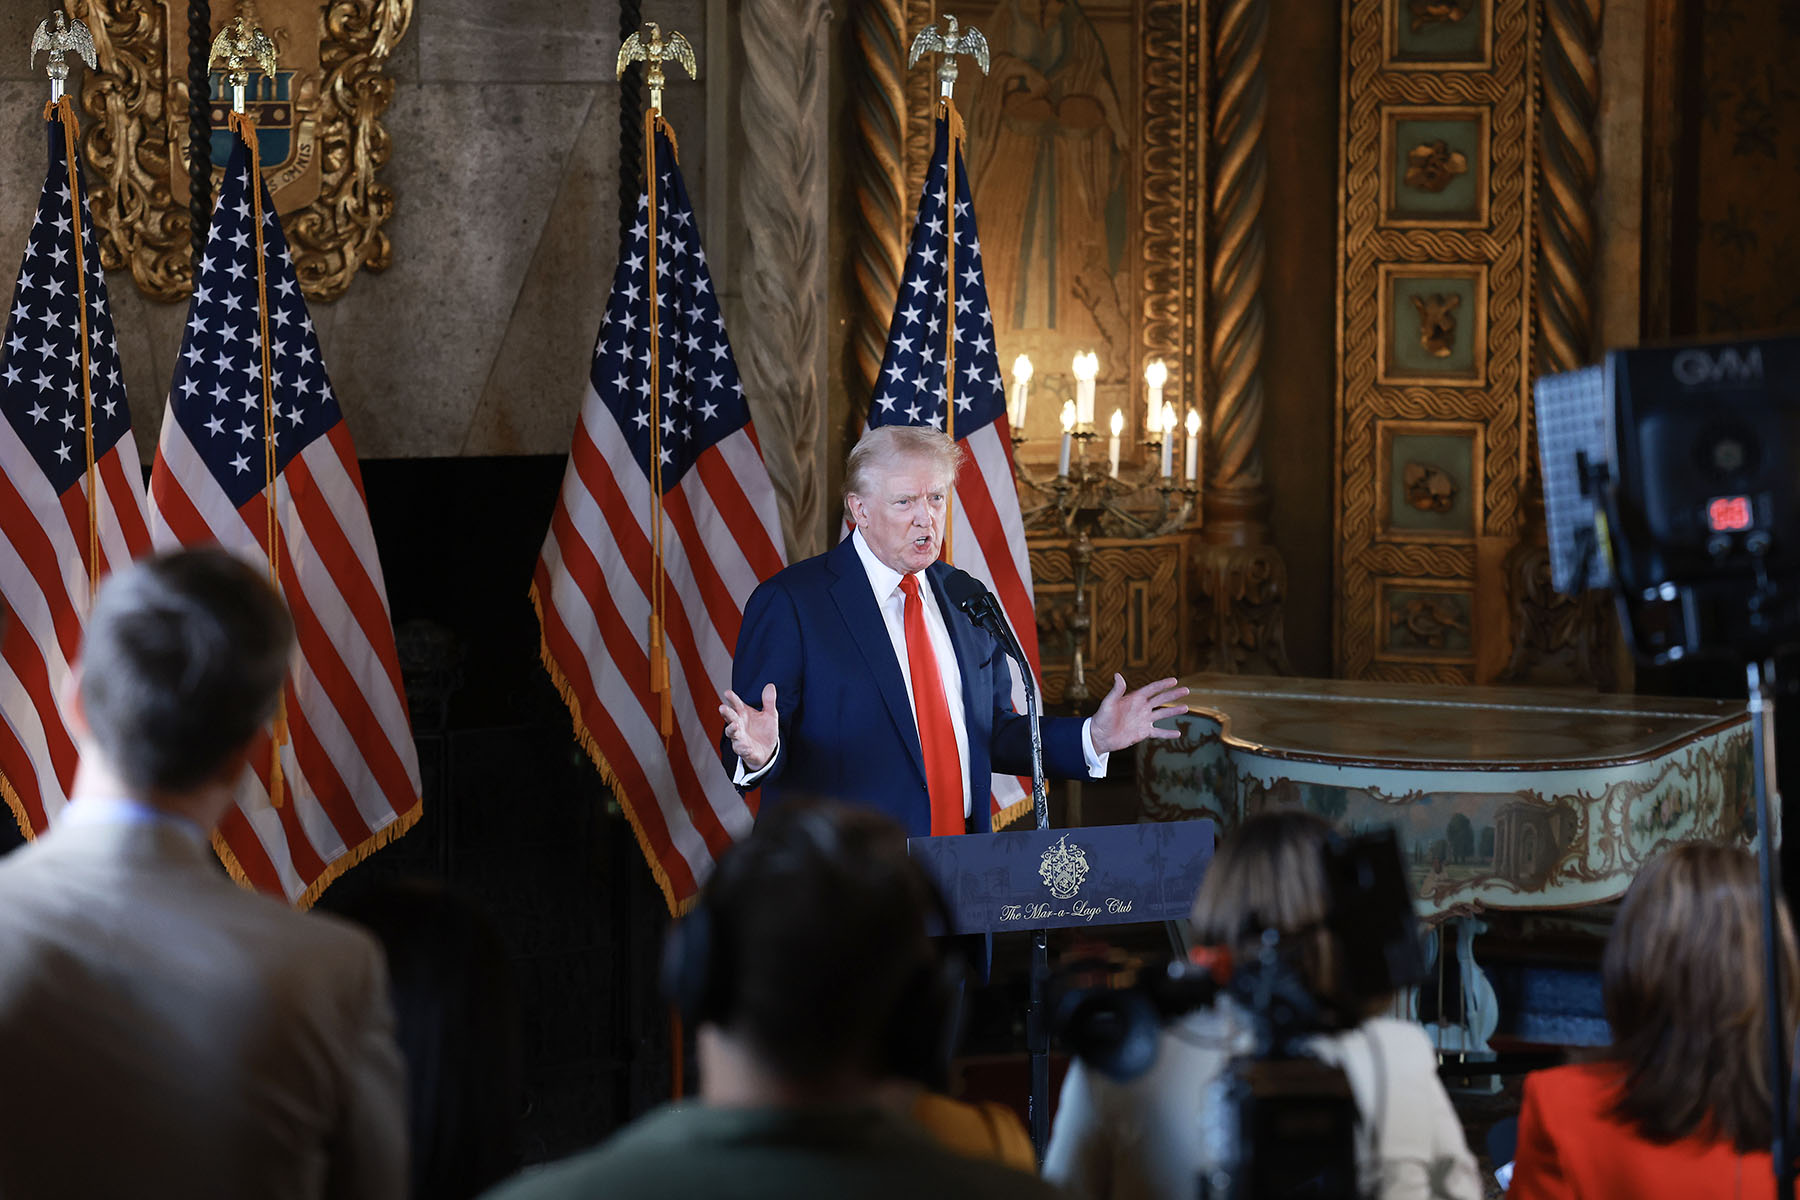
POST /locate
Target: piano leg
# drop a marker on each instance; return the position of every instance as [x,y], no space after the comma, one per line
[1465,1041]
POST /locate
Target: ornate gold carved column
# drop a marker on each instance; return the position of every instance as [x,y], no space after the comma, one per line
[878,195]
[1241,579]
[1556,639]
[786,216]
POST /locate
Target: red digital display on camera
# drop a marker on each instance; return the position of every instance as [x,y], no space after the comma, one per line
[1729,514]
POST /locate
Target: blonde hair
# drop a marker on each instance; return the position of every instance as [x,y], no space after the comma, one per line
[887,444]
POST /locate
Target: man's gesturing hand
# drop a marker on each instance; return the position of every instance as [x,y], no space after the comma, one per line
[753,731]
[1127,718]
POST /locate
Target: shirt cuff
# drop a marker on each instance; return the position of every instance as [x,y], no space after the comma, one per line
[1096,761]
[744,777]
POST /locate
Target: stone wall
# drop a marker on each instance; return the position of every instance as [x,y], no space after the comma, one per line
[476,341]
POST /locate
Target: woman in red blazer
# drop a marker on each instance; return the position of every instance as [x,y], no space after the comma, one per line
[1678,1106]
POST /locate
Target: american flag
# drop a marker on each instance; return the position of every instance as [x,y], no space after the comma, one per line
[44,532]
[351,773]
[987,533]
[720,538]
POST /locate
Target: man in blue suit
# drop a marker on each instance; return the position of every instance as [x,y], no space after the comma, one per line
[881,692]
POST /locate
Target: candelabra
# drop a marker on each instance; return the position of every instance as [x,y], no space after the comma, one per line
[1090,497]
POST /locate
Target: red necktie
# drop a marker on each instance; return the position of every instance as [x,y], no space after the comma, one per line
[937,737]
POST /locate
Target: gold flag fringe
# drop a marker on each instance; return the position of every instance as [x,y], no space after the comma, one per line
[18,808]
[1011,813]
[608,776]
[350,858]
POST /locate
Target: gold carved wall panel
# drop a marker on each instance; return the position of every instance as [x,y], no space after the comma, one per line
[320,134]
[1136,596]
[1435,325]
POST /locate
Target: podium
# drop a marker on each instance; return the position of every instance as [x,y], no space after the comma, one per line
[1035,880]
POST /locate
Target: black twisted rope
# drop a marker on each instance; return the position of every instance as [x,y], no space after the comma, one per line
[631,119]
[199,16]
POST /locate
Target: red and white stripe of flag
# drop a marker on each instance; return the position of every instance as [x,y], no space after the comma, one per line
[721,536]
[45,587]
[351,772]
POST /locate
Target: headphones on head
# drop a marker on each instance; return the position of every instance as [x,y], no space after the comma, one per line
[925,1026]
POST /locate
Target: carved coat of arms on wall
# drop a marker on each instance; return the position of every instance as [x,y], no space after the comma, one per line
[318,123]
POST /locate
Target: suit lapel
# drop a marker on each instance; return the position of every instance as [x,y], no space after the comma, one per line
[862,616]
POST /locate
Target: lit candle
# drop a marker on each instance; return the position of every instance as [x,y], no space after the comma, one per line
[1021,385]
[1168,440]
[1155,375]
[1112,445]
[1086,367]
[1068,424]
[1193,445]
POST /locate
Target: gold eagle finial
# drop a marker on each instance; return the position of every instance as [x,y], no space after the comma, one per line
[238,45]
[950,44]
[656,52]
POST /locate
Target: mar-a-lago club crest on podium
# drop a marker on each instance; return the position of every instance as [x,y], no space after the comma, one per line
[1063,868]
[1054,878]
[320,138]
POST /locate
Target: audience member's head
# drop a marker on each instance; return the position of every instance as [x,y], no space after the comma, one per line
[1269,874]
[1684,989]
[808,958]
[457,1020]
[182,663]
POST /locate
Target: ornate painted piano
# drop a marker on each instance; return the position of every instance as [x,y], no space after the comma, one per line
[1503,798]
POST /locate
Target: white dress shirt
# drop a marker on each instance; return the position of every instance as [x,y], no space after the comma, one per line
[884,582]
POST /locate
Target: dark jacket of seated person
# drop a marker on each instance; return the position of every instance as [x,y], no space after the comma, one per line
[808,976]
[1678,1105]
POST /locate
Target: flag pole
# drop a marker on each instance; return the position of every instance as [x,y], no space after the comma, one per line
[654,52]
[948,46]
[59,37]
[239,44]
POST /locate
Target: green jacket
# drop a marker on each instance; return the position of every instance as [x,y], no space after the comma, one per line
[749,1154]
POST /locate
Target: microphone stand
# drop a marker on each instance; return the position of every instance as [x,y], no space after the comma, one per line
[985,611]
[1760,684]
[1037,1023]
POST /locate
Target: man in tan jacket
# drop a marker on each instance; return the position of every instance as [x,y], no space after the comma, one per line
[164,1033]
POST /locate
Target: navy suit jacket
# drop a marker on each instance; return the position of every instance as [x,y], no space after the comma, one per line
[847,729]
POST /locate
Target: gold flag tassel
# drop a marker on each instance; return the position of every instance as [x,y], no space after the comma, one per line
[947,107]
[659,650]
[244,126]
[653,51]
[63,109]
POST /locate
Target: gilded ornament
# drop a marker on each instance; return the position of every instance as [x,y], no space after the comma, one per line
[1426,13]
[1428,488]
[319,129]
[1432,166]
[656,52]
[1437,322]
[1429,620]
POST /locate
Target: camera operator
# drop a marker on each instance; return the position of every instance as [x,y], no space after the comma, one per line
[1139,1140]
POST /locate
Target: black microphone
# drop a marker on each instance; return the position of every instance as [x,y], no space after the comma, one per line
[978,604]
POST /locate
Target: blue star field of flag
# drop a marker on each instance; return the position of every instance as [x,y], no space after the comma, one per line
[40,363]
[217,396]
[701,401]
[910,387]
